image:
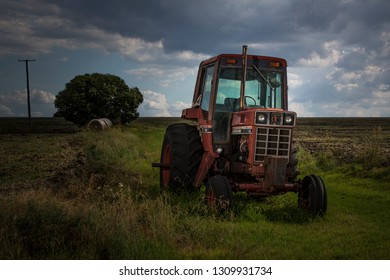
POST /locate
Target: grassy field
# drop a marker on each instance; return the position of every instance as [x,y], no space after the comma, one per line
[92,195]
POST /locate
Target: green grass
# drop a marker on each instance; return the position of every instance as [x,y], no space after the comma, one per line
[95,196]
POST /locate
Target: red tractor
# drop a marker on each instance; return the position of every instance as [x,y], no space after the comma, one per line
[242,137]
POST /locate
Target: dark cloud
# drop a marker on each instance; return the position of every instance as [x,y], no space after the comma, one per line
[338,50]
[212,26]
[200,26]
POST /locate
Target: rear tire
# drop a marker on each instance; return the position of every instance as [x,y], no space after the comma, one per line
[182,152]
[293,165]
[218,193]
[313,196]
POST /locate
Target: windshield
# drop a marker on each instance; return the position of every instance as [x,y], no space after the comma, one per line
[263,89]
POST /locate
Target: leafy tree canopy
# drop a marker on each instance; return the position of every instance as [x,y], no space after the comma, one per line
[91,96]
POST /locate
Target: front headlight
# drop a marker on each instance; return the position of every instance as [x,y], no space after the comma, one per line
[261,118]
[288,119]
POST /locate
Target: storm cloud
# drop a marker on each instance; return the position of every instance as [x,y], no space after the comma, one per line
[338,50]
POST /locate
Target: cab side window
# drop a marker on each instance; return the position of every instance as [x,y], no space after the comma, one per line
[206,91]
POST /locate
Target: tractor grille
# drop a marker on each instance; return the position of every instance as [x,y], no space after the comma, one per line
[272,142]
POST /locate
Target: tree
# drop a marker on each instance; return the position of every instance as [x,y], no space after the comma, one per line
[92,96]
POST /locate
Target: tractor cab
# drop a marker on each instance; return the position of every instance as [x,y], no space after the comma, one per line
[226,88]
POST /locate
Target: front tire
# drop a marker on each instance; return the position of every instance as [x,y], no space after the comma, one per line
[313,196]
[218,193]
[181,153]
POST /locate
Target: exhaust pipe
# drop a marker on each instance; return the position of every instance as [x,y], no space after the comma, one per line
[243,78]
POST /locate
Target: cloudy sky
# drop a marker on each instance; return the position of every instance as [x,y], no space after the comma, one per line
[338,50]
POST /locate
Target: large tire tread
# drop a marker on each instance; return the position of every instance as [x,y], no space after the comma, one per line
[293,165]
[186,150]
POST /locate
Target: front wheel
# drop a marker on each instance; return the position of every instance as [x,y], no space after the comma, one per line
[218,193]
[312,195]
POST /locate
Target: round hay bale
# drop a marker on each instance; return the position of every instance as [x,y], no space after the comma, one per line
[99,124]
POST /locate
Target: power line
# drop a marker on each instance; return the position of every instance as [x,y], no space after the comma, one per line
[28,87]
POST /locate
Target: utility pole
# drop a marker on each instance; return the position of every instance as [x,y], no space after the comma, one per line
[28,87]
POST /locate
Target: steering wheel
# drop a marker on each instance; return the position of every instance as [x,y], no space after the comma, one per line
[250,97]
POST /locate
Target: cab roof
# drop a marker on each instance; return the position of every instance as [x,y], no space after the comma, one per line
[239,56]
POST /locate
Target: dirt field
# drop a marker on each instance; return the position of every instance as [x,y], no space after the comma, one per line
[344,137]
